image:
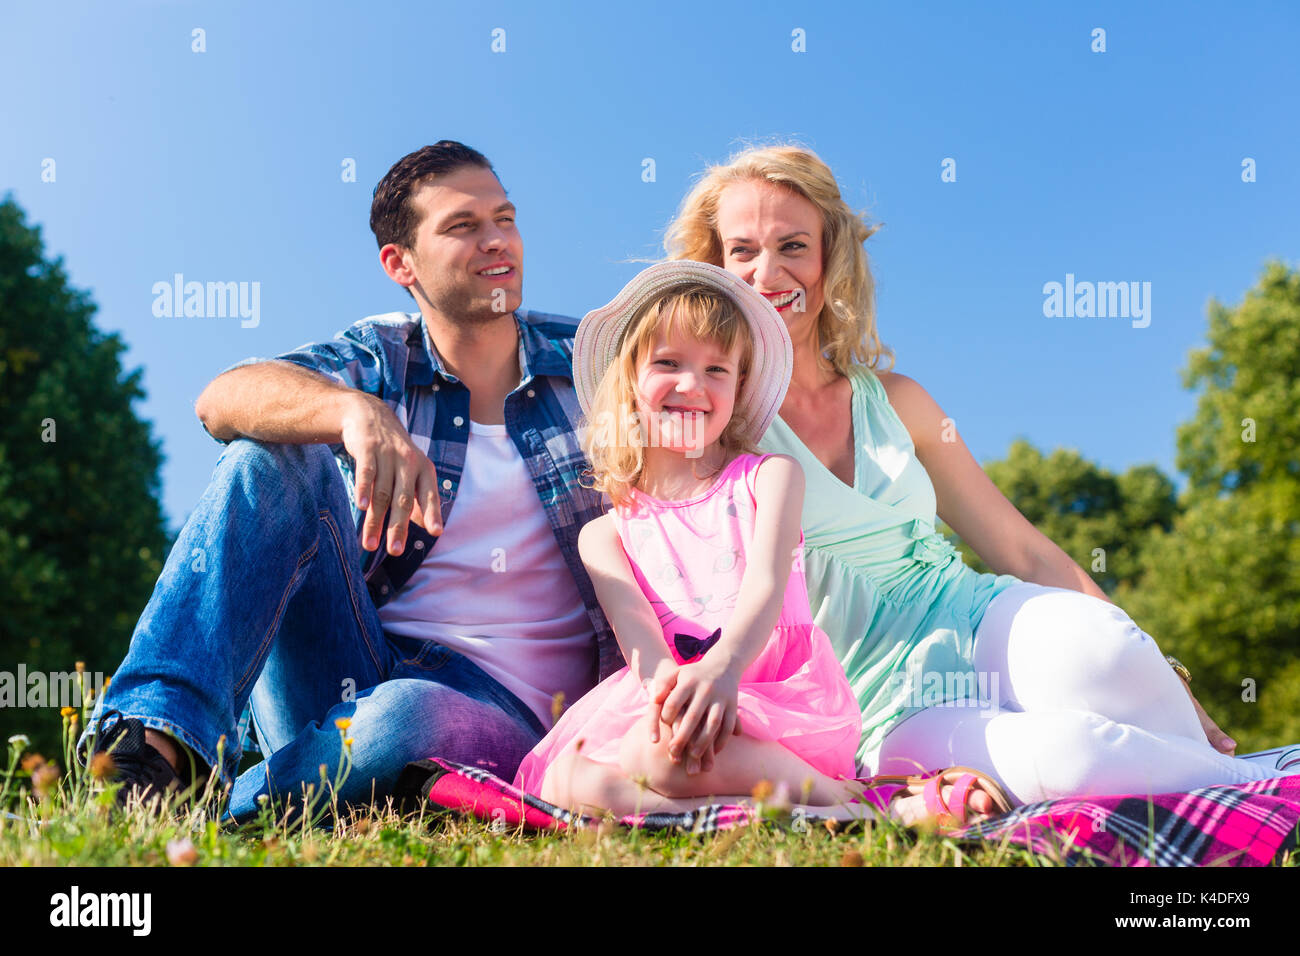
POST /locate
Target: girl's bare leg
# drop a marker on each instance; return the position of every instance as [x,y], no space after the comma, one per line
[582,785]
[742,764]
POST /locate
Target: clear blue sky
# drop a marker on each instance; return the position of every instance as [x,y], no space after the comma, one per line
[1116,166]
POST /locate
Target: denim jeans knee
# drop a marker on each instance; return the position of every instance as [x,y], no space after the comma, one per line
[270,544]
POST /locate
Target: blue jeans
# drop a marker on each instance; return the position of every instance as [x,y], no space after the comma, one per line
[262,598]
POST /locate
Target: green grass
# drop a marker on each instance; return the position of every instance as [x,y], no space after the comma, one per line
[72,820]
[381,838]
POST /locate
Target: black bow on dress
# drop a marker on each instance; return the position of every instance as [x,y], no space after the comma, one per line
[692,647]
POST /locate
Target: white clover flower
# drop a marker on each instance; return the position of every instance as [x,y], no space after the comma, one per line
[181,852]
[19,741]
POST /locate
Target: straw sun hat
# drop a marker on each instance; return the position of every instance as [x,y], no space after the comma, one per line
[600,334]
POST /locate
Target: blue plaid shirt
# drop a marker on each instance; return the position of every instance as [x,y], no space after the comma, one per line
[388,356]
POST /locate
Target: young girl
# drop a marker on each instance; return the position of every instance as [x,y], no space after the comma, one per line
[729,683]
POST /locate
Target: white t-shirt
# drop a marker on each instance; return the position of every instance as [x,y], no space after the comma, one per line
[496,587]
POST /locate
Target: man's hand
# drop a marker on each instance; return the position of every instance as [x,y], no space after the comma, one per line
[701,707]
[391,470]
[1217,738]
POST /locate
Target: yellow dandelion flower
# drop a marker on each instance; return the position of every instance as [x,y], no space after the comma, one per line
[81,667]
[343,723]
[762,790]
[347,742]
[67,711]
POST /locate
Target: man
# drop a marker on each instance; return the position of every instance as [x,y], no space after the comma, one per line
[456,461]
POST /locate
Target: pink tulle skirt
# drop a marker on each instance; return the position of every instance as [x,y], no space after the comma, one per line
[794,693]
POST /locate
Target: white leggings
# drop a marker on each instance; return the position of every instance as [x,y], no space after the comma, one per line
[1087,705]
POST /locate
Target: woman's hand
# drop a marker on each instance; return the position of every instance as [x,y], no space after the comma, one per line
[701,705]
[1217,738]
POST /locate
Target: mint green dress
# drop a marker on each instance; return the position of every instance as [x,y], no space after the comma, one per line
[896,599]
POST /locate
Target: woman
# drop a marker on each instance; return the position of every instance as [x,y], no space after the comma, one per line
[1031,673]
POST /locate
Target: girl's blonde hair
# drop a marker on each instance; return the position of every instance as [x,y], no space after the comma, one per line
[846,328]
[615,437]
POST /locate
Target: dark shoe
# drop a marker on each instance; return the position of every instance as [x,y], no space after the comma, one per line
[139,767]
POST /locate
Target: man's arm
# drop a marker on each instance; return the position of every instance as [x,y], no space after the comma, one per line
[282,402]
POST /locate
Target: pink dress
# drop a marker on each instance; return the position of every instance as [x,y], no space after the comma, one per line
[688,558]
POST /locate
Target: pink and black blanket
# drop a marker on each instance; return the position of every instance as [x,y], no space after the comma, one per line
[1249,825]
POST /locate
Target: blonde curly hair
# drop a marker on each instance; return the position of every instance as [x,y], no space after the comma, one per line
[613,436]
[846,328]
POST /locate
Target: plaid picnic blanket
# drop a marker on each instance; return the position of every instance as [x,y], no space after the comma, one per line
[1239,825]
[1247,825]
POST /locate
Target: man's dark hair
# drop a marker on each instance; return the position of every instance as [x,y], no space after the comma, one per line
[392,217]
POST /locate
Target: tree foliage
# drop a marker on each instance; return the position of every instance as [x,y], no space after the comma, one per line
[82,534]
[1246,429]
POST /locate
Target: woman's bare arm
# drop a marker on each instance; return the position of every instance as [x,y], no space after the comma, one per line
[974,507]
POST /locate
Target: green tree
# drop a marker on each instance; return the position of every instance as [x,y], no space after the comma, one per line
[1221,588]
[82,535]
[1098,518]
[1246,429]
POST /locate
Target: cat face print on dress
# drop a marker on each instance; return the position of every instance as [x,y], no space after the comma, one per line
[690,608]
